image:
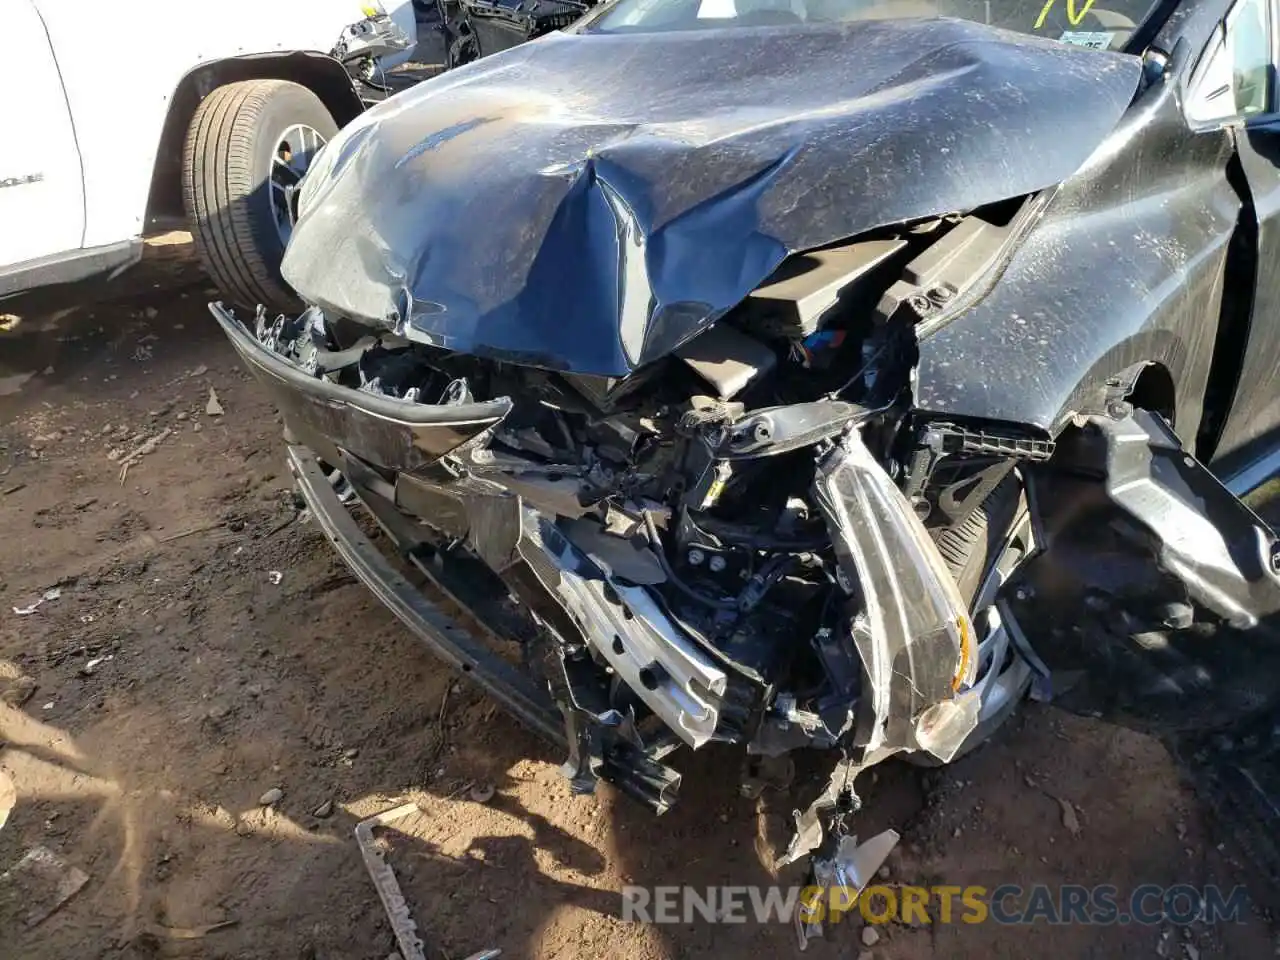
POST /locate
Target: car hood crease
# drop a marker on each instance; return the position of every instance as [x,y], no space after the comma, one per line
[587,202]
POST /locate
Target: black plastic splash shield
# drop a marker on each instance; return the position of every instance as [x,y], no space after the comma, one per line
[588,202]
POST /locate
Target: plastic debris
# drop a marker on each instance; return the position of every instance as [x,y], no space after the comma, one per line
[47,597]
[851,868]
[213,408]
[275,576]
[41,881]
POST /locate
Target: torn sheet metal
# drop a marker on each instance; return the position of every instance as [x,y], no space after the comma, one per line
[533,208]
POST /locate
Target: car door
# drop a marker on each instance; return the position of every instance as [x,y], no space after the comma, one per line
[1235,84]
[41,186]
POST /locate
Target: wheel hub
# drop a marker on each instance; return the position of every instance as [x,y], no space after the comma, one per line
[295,151]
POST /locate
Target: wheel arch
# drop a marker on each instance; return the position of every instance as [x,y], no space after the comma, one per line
[322,75]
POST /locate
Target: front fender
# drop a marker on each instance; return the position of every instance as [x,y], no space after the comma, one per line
[1125,268]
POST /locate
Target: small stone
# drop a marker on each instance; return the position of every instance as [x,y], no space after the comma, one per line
[1069,818]
[482,792]
[271,797]
[870,936]
[883,872]
[200,371]
[254,690]
[218,711]
[956,833]
[324,810]
[196,428]
[151,313]
[180,415]
[213,408]
[159,629]
[19,691]
[351,752]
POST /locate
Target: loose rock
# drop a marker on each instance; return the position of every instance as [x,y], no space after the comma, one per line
[271,797]
[1069,818]
[324,810]
[870,936]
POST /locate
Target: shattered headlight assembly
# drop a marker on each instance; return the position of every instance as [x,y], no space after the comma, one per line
[913,633]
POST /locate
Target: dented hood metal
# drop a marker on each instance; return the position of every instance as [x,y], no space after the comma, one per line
[587,202]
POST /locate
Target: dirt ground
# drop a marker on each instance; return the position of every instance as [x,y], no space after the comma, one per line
[206,647]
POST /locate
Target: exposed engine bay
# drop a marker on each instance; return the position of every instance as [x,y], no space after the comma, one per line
[752,540]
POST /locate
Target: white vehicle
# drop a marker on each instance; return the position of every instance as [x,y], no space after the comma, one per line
[117,121]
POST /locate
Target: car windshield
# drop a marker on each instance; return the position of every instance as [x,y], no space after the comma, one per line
[1105,25]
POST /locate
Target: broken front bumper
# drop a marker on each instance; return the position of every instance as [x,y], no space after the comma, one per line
[907,636]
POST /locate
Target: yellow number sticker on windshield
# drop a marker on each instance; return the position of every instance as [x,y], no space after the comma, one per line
[1073,16]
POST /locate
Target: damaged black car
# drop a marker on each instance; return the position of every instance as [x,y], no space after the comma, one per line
[804,374]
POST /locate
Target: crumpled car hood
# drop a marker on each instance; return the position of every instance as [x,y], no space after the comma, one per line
[588,202]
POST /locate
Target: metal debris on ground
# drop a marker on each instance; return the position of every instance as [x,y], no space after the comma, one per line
[137,453]
[384,881]
[482,792]
[213,408]
[41,881]
[47,597]
[850,869]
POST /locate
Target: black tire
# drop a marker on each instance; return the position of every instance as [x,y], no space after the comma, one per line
[226,167]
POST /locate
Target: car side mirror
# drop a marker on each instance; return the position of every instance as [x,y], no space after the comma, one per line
[1234,79]
[1212,96]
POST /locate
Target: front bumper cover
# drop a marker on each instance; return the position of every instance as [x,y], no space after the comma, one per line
[907,632]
